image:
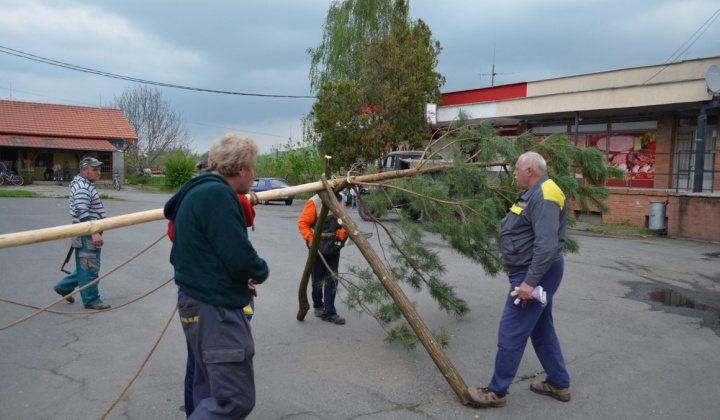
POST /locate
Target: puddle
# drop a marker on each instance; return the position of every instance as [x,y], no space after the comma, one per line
[673,298]
[664,297]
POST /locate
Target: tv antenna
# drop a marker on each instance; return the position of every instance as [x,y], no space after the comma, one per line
[493,74]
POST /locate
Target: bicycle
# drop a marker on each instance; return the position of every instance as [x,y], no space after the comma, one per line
[116,181]
[11,178]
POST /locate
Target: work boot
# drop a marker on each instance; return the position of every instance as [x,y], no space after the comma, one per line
[335,319]
[484,397]
[544,388]
[100,306]
[65,295]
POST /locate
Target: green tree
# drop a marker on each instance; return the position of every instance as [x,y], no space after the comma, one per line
[348,25]
[297,162]
[384,105]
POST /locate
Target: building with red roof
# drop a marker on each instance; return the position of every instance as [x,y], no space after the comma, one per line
[36,136]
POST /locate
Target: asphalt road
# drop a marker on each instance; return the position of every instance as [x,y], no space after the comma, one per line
[629,357]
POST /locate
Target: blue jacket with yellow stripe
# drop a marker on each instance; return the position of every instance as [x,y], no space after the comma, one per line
[532,234]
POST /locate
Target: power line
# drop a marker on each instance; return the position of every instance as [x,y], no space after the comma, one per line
[189,122]
[704,27]
[56,63]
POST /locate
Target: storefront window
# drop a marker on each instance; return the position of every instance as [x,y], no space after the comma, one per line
[633,153]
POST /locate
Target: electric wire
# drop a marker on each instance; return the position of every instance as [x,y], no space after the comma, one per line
[708,23]
[28,56]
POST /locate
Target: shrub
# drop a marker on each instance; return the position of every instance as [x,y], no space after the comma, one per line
[179,168]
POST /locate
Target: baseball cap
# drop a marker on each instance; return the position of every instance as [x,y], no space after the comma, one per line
[202,164]
[89,161]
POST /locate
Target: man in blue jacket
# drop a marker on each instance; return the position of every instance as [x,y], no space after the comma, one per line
[532,238]
[214,262]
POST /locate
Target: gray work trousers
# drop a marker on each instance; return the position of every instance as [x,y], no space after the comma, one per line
[220,338]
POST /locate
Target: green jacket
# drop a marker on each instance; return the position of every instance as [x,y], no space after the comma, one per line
[211,252]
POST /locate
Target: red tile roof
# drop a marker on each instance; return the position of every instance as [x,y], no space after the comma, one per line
[56,143]
[39,119]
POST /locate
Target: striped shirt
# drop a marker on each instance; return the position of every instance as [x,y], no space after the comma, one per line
[85,204]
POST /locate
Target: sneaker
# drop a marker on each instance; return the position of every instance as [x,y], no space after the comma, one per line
[68,298]
[335,319]
[483,398]
[319,312]
[544,388]
[100,306]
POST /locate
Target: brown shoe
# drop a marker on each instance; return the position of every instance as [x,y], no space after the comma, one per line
[483,398]
[100,306]
[65,295]
[544,388]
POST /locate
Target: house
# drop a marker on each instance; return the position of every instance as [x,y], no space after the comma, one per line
[37,136]
[646,120]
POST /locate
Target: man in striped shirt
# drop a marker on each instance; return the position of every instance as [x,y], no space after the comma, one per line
[85,205]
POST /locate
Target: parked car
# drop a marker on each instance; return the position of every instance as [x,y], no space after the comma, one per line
[267,184]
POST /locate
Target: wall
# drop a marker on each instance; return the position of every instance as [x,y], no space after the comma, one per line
[694,216]
[688,215]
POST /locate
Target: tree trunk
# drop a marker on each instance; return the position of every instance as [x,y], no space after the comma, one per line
[304,305]
[388,281]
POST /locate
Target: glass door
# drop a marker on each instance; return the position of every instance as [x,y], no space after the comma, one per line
[685,159]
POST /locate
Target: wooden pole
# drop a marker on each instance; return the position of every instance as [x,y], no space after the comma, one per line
[87,228]
[447,369]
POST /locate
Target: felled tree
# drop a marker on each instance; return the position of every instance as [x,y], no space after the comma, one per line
[464,204]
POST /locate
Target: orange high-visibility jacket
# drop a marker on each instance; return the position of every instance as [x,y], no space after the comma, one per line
[308,217]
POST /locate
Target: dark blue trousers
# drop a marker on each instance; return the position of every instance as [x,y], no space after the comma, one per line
[220,339]
[324,286]
[536,323]
[190,373]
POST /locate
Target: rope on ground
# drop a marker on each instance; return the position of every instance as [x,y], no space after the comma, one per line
[86,312]
[46,307]
[142,366]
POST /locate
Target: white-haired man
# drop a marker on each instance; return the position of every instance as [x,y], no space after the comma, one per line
[532,238]
[214,263]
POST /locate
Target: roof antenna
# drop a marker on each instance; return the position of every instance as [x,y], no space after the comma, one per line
[493,74]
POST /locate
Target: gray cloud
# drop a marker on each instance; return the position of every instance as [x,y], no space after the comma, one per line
[259,47]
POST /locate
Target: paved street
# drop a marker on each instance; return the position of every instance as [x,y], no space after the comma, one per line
[629,357]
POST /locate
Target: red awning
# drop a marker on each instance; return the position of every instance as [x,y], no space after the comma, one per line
[56,143]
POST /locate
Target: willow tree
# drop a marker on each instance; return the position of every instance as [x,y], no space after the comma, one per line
[348,25]
[384,104]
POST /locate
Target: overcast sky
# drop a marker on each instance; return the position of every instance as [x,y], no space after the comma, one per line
[259,47]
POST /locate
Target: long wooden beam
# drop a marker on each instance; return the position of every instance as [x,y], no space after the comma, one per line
[8,240]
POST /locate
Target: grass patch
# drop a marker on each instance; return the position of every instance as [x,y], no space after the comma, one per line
[149,184]
[33,194]
[614,229]
[107,197]
[18,193]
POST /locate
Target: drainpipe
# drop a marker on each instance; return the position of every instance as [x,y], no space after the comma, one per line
[577,126]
